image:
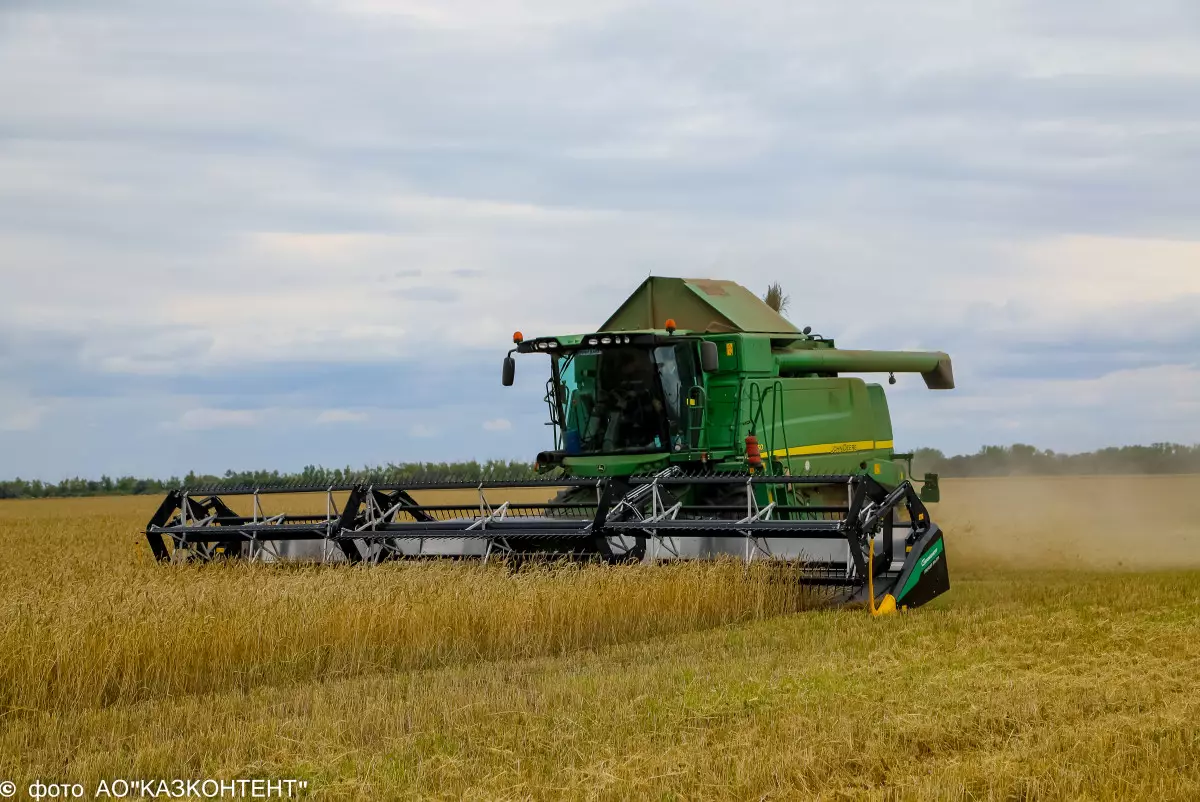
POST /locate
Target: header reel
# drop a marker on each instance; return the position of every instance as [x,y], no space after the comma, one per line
[869,539]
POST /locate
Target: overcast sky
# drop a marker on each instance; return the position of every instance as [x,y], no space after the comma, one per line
[240,234]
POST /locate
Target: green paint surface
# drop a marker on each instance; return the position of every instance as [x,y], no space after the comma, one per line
[923,564]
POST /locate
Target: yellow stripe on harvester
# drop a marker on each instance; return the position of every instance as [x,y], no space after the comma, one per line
[833,448]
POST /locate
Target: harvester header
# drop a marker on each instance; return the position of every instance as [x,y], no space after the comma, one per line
[695,422]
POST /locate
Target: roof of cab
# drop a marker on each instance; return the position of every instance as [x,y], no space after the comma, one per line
[699,305]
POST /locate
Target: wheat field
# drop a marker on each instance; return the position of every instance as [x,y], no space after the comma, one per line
[1061,665]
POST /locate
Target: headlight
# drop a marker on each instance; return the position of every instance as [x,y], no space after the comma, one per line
[593,341]
[606,340]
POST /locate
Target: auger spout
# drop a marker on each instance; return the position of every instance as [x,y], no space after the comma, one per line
[934,366]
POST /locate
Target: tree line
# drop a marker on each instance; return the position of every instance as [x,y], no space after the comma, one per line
[1026,460]
[312,475]
[1014,460]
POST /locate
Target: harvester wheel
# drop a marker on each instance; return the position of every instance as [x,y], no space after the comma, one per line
[726,496]
[621,549]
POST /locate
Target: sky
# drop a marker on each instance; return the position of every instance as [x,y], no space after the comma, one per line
[256,234]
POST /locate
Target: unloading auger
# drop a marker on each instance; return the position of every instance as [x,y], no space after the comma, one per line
[728,432]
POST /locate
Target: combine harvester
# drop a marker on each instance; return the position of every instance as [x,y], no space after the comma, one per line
[697,422]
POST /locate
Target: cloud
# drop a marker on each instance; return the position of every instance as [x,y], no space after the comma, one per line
[206,418]
[497,425]
[20,413]
[1065,414]
[200,221]
[342,416]
[437,295]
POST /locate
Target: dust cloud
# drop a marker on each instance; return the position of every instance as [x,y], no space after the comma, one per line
[1096,523]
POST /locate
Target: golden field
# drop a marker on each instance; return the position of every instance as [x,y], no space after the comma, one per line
[1061,665]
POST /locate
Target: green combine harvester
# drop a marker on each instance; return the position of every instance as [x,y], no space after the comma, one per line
[696,423]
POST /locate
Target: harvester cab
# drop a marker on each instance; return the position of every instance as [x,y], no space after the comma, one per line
[696,422]
[614,395]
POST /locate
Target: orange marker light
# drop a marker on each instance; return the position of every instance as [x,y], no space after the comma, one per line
[518,337]
[671,325]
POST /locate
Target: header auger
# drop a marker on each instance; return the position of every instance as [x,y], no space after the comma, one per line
[725,432]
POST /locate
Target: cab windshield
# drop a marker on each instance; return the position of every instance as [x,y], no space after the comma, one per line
[628,398]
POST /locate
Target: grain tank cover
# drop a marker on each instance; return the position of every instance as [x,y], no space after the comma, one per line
[697,304]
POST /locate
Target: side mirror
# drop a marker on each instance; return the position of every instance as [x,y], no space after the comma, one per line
[708,356]
[510,371]
[930,492]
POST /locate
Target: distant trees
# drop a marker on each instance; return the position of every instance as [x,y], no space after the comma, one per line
[1022,459]
[311,475]
[104,486]
[1014,460]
